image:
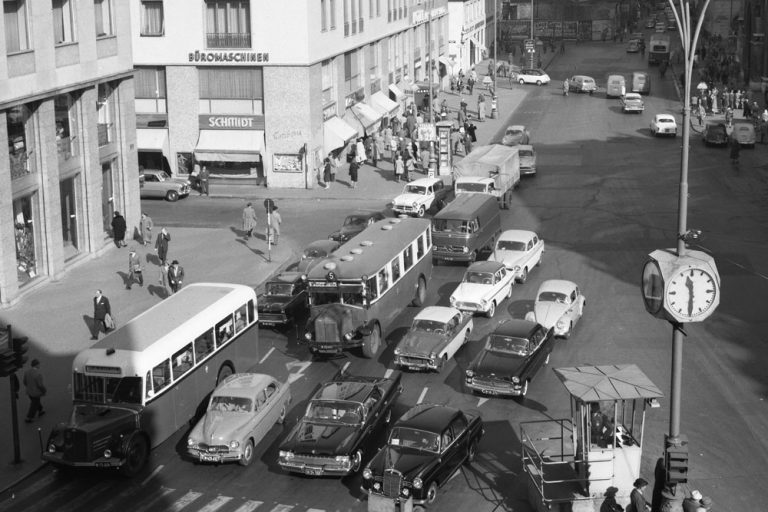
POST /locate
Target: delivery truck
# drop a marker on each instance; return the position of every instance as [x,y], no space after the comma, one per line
[493,169]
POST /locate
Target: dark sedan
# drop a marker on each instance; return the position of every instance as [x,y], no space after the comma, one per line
[338,425]
[285,299]
[425,447]
[510,359]
[715,134]
[355,224]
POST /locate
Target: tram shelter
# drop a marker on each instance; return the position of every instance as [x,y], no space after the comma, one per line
[580,460]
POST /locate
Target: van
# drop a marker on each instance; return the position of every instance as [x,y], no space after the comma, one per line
[464,228]
[615,87]
[641,82]
[581,83]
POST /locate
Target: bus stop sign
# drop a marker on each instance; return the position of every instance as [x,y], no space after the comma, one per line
[530,45]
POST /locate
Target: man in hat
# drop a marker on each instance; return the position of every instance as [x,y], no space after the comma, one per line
[692,503]
[33,382]
[175,276]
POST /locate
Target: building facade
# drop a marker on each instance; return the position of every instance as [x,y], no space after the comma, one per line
[67,119]
[223,84]
[466,34]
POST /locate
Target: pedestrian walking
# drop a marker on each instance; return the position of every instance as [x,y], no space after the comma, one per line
[735,150]
[118,229]
[203,177]
[135,270]
[692,502]
[101,312]
[161,244]
[249,220]
[471,84]
[353,168]
[481,107]
[461,115]
[175,276]
[565,87]
[609,503]
[701,113]
[33,383]
[163,280]
[409,166]
[394,144]
[467,141]
[399,166]
[424,157]
[325,178]
[274,226]
[637,501]
[455,140]
[471,130]
[146,225]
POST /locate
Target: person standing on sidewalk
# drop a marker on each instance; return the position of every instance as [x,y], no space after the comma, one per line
[410,165]
[353,168]
[175,276]
[326,175]
[146,225]
[399,166]
[134,269]
[565,87]
[481,107]
[118,229]
[101,309]
[378,148]
[161,244]
[33,382]
[203,177]
[274,226]
[249,220]
[164,278]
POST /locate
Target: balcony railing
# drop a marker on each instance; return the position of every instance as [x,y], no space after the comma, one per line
[226,40]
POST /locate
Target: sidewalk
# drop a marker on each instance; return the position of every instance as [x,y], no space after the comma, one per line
[56,317]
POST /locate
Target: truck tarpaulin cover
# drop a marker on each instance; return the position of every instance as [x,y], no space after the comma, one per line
[494,161]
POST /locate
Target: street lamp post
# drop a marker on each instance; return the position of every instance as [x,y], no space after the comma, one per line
[494,104]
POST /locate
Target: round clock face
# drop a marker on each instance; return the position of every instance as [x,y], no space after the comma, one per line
[691,292]
[653,287]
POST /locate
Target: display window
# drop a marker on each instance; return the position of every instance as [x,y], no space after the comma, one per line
[66,126]
[24,214]
[19,121]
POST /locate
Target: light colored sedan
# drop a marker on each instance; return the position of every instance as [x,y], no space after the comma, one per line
[485,285]
[632,102]
[241,411]
[559,305]
[516,134]
[527,159]
[663,124]
[436,334]
[532,76]
[519,250]
[159,184]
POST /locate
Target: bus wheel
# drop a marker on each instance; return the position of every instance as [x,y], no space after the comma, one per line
[372,342]
[247,457]
[421,293]
[135,455]
[224,372]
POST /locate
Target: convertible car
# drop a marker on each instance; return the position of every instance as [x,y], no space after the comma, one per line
[559,305]
[436,334]
[425,447]
[339,424]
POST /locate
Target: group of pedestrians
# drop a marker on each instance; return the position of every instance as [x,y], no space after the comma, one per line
[250,221]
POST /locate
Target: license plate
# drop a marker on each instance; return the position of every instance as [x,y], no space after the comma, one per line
[416,368]
[313,471]
[262,322]
[103,465]
[489,391]
[210,458]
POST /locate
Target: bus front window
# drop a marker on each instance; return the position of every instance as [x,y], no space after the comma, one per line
[353,298]
[102,390]
[325,297]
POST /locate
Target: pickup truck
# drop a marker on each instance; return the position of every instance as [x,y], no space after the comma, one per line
[493,169]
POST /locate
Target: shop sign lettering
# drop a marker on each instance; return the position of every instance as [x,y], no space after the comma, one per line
[224,122]
[238,57]
[287,134]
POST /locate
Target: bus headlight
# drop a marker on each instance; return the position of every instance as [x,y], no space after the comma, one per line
[348,336]
[234,444]
[107,454]
[417,483]
[367,473]
[469,373]
[465,250]
[308,336]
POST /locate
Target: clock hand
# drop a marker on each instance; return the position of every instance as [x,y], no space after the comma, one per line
[689,285]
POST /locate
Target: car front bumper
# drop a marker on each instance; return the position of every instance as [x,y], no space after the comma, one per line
[57,458]
[310,469]
[216,457]
[416,362]
[488,388]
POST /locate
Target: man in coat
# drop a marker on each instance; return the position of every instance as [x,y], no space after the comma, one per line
[161,245]
[134,269]
[146,226]
[33,382]
[203,177]
[101,309]
[249,220]
[118,229]
[274,226]
[175,276]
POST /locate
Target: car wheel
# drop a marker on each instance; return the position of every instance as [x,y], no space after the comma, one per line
[247,457]
[431,493]
[357,460]
[524,276]
[135,455]
[522,82]
[172,196]
[421,211]
[421,293]
[569,331]
[472,452]
[538,82]
[372,343]
[283,414]
[491,310]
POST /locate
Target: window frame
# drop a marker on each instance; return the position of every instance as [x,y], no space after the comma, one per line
[110,29]
[69,34]
[21,21]
[143,20]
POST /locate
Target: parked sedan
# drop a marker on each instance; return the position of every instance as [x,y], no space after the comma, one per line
[663,124]
[744,132]
[425,447]
[316,252]
[582,83]
[512,356]
[532,76]
[516,134]
[559,305]
[519,250]
[436,334]
[338,425]
[354,224]
[159,184]
[484,286]
[632,102]
[527,159]
[420,195]
[285,299]
[715,134]
[241,411]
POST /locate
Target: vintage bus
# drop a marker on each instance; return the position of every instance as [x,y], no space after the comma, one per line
[659,49]
[141,383]
[357,293]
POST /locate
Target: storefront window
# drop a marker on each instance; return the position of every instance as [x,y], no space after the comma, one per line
[20,151]
[26,253]
[105,108]
[66,125]
[231,91]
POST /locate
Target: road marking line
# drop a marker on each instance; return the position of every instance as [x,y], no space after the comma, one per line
[155,497]
[152,475]
[421,396]
[184,501]
[216,504]
[249,506]
[84,497]
[282,508]
[481,401]
[388,373]
[269,352]
[346,365]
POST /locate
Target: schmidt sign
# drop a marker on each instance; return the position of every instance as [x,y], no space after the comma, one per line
[230,122]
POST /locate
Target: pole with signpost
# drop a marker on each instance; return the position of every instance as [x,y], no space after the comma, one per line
[269,205]
[494,101]
[432,171]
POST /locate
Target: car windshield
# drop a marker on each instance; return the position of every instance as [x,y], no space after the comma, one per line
[631,96]
[356,220]
[230,404]
[665,120]
[429,326]
[279,289]
[478,277]
[508,345]
[413,438]
[588,81]
[162,176]
[514,132]
[450,226]
[315,253]
[469,187]
[416,189]
[525,153]
[331,410]
[553,297]
[510,245]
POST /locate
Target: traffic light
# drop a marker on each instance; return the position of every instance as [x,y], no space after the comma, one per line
[676,460]
[19,349]
[7,363]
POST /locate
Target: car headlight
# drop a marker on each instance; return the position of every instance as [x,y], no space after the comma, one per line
[417,483]
[415,204]
[285,454]
[484,302]
[234,444]
[405,492]
[470,373]
[432,355]
[560,324]
[397,351]
[51,448]
[516,380]
[376,486]
[516,268]
[308,336]
[465,250]
[343,460]
[107,454]
[367,473]
[191,442]
[348,336]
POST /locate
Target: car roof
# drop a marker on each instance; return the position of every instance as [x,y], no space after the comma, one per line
[665,116]
[428,417]
[348,387]
[425,181]
[515,327]
[557,285]
[287,277]
[521,147]
[322,244]
[485,266]
[517,235]
[520,127]
[437,313]
[243,384]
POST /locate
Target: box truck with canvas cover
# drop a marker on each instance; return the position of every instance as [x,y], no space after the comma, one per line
[493,169]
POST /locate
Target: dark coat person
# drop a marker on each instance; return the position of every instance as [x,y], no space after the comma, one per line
[637,501]
[353,167]
[161,245]
[101,309]
[175,276]
[118,229]
[33,382]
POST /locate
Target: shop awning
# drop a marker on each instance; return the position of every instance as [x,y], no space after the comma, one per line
[445,60]
[406,85]
[395,90]
[383,105]
[152,140]
[230,145]
[364,117]
[336,134]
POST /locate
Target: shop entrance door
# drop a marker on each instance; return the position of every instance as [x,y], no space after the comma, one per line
[107,196]
[68,195]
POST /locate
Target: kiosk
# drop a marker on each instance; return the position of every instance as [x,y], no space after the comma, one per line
[599,449]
